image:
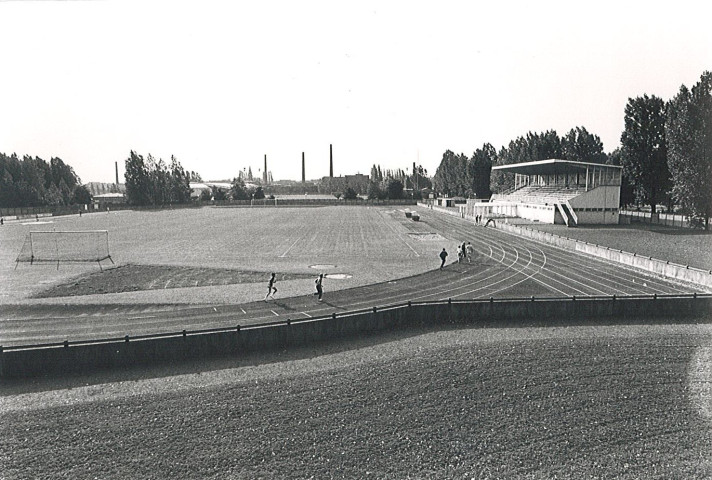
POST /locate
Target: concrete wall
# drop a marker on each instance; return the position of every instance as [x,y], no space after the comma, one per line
[541,213]
[82,358]
[661,267]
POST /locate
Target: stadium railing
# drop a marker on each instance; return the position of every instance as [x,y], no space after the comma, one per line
[148,349]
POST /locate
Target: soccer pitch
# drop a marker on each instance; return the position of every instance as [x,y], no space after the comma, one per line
[354,245]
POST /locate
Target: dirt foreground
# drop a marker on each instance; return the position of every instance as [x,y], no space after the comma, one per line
[593,402]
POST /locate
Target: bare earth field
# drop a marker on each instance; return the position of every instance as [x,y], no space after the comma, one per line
[613,401]
[581,402]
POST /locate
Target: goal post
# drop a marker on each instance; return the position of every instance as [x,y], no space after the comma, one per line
[68,246]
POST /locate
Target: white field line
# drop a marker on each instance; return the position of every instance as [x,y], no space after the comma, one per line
[291,246]
[275,313]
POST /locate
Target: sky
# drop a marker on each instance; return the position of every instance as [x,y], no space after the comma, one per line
[219,85]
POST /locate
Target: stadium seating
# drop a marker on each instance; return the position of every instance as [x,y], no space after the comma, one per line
[541,194]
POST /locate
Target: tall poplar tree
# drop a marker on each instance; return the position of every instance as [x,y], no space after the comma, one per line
[688,129]
[644,149]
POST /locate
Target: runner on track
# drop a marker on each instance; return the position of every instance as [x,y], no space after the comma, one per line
[271,289]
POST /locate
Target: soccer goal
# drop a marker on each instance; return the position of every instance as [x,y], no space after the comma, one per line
[57,247]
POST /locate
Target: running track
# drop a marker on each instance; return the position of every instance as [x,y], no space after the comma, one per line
[506,266]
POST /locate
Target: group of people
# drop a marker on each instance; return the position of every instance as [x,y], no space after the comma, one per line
[271,289]
[464,251]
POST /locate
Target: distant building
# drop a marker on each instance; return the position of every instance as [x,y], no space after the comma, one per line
[197,188]
[98,188]
[109,198]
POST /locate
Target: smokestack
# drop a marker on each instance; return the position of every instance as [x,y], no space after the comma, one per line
[304,178]
[264,174]
[116,165]
[331,163]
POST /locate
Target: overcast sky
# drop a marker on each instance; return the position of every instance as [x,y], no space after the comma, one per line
[221,84]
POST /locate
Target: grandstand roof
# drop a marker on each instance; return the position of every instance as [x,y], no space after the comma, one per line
[550,166]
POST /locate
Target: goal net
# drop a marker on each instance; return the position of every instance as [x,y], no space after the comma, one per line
[56,247]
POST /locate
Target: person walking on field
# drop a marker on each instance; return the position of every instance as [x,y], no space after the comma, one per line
[271,289]
[319,288]
[443,256]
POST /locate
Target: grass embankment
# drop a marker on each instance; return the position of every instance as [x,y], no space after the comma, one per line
[593,402]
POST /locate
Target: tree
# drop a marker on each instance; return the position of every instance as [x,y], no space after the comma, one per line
[238,190]
[395,189]
[627,192]
[259,194]
[179,182]
[376,173]
[581,146]
[349,194]
[481,170]
[219,194]
[688,130]
[374,192]
[644,149]
[81,195]
[137,180]
[529,148]
[445,178]
[419,180]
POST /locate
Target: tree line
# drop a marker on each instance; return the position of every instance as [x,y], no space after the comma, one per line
[390,184]
[666,149]
[34,182]
[153,182]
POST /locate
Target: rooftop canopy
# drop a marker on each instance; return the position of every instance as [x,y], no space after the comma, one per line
[552,166]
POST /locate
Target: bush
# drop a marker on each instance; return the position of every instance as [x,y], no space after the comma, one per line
[350,194]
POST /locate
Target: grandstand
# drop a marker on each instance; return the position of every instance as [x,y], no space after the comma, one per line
[557,191]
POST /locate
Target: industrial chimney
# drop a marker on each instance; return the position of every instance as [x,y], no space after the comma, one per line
[304,178]
[116,166]
[331,163]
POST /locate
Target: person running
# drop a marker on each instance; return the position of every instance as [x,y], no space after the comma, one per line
[271,289]
[319,288]
[470,251]
[443,256]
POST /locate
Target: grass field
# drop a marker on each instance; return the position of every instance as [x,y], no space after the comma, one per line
[369,244]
